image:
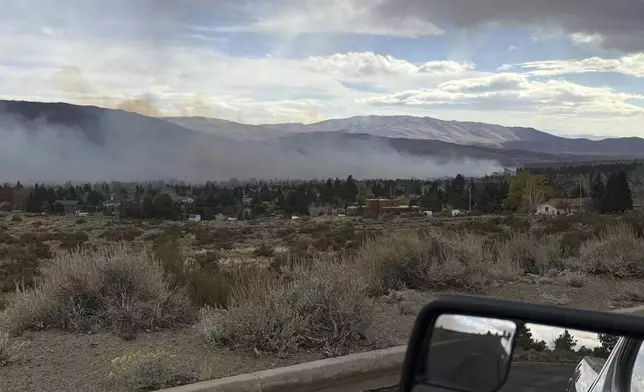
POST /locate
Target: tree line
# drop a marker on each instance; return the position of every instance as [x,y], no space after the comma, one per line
[564,342]
[522,191]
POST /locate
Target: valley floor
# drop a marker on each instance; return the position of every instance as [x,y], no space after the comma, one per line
[54,360]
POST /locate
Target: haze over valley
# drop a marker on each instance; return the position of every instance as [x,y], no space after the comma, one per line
[61,142]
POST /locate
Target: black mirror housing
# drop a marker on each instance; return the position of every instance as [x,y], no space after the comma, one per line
[417,363]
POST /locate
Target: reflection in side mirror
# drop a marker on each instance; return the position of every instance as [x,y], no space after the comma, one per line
[469,353]
[480,354]
[477,344]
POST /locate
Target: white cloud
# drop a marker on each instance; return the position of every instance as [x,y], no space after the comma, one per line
[587,39]
[369,64]
[174,78]
[517,93]
[632,65]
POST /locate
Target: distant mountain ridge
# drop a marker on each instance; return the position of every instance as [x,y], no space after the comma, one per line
[60,141]
[427,128]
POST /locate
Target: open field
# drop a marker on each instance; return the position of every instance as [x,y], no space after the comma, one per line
[177,302]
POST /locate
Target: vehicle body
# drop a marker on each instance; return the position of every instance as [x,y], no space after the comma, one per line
[426,358]
[622,371]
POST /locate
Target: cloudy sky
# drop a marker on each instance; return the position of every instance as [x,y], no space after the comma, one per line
[573,66]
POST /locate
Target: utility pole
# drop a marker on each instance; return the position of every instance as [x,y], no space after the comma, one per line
[469,190]
[581,178]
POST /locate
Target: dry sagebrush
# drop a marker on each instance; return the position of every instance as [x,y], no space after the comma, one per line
[321,305]
[618,251]
[115,288]
[9,350]
[438,259]
[528,253]
[145,371]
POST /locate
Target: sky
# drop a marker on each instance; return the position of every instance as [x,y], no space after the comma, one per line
[568,67]
[547,333]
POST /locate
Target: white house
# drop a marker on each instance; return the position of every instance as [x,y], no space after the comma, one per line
[428,213]
[561,206]
[456,212]
[194,218]
[548,209]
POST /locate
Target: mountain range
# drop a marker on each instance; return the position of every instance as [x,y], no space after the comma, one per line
[427,128]
[56,141]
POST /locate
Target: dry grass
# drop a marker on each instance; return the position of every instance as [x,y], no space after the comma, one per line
[528,253]
[206,283]
[116,288]
[322,305]
[19,263]
[264,250]
[617,251]
[121,234]
[9,349]
[145,371]
[436,259]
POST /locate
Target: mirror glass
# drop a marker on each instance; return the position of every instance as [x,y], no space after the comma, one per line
[470,353]
[477,354]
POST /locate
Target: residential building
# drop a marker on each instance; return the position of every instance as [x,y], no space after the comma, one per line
[375,207]
[562,206]
[67,207]
[380,206]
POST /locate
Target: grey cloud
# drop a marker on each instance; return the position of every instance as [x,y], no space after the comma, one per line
[620,22]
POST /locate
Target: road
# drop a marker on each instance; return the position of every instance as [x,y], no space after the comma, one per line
[538,377]
[525,378]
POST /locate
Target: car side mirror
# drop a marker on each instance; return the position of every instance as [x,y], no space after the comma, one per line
[474,344]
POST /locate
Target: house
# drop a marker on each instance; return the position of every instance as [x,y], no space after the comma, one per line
[111,206]
[456,213]
[380,206]
[562,206]
[194,218]
[67,207]
[428,213]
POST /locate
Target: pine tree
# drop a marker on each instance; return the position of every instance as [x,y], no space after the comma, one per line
[565,342]
[624,195]
[524,338]
[598,193]
[610,197]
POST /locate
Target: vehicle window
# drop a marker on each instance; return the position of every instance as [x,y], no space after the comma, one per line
[637,375]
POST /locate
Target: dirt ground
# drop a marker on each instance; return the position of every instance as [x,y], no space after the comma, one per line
[53,361]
